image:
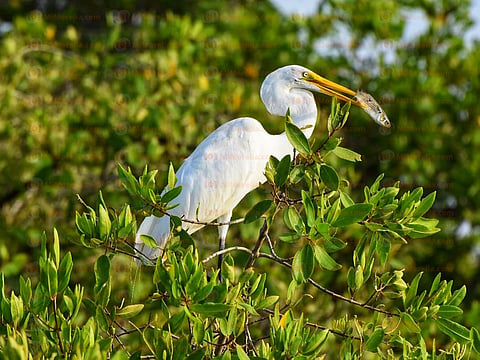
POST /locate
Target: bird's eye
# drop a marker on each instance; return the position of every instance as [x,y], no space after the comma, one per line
[306,75]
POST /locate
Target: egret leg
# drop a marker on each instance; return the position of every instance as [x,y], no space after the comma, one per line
[222,234]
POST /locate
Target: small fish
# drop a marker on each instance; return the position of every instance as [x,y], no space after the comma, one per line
[371,107]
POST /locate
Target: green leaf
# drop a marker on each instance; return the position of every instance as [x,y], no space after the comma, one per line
[458,296]
[309,208]
[282,171]
[172,178]
[258,285]
[334,244]
[25,290]
[359,279]
[454,330]
[121,355]
[267,302]
[257,211]
[64,272]
[290,237]
[56,248]
[102,286]
[315,342]
[333,115]
[242,355]
[308,263]
[203,292]
[171,194]
[16,308]
[52,279]
[344,112]
[228,269]
[346,199]
[375,340]
[130,311]
[210,309]
[39,303]
[352,214]
[231,321]
[247,307]
[410,198]
[293,220]
[176,321]
[195,280]
[383,248]
[475,337]
[329,177]
[198,331]
[331,144]
[297,268]
[325,260]
[422,227]
[376,183]
[297,138]
[420,314]
[409,323]
[425,205]
[104,223]
[323,228]
[128,180]
[372,226]
[449,311]
[347,154]
[84,225]
[435,284]
[297,174]
[412,290]
[246,275]
[351,277]
[149,241]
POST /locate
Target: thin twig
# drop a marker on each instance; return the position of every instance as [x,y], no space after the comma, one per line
[374,294]
[44,323]
[117,338]
[270,245]
[143,258]
[321,327]
[330,292]
[224,251]
[196,222]
[57,327]
[248,338]
[211,223]
[314,196]
[256,250]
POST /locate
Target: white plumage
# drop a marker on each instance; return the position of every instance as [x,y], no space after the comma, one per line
[231,161]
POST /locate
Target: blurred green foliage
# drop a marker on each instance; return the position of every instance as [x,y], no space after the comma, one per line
[83,88]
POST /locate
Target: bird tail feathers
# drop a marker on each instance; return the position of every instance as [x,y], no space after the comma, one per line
[158,229]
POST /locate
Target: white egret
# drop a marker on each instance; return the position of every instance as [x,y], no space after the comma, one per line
[231,161]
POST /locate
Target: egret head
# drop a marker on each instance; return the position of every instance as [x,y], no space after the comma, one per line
[291,86]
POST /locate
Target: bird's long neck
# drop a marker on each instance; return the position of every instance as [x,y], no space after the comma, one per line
[301,104]
[305,121]
[303,111]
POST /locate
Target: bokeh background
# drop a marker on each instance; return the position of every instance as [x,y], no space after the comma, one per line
[87,85]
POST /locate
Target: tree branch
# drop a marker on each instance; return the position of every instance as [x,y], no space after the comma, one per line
[256,250]
[224,251]
[196,222]
[328,291]
[321,327]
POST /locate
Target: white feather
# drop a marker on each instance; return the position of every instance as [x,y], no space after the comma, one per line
[231,161]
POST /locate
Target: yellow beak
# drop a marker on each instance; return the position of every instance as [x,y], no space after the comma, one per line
[333,89]
[361,99]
